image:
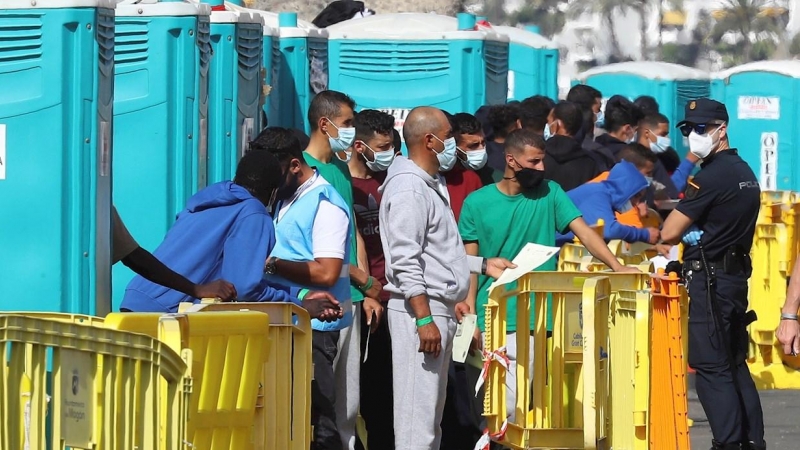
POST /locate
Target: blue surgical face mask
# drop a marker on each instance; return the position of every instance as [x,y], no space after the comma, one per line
[600,122]
[476,159]
[627,206]
[661,144]
[447,157]
[649,180]
[343,142]
[547,133]
[382,160]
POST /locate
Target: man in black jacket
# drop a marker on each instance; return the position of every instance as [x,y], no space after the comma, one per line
[565,160]
[622,119]
[590,100]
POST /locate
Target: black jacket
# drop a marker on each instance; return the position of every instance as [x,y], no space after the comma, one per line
[567,163]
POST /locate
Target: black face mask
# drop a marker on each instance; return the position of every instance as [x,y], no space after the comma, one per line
[529,178]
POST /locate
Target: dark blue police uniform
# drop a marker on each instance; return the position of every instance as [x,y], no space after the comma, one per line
[723,200]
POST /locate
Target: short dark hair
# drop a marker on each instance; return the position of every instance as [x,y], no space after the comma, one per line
[620,112]
[653,120]
[328,104]
[637,154]
[534,111]
[397,140]
[570,115]
[282,143]
[501,117]
[259,172]
[466,123]
[371,121]
[647,104]
[517,140]
[584,95]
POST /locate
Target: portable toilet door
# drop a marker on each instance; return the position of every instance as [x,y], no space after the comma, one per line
[672,85]
[56,73]
[763,100]
[302,71]
[160,111]
[532,64]
[235,88]
[395,62]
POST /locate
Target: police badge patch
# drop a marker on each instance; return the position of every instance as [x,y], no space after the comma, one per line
[691,191]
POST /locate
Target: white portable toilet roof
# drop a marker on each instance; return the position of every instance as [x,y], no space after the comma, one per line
[655,70]
[790,68]
[154,8]
[50,4]
[525,37]
[268,30]
[408,27]
[236,16]
[304,29]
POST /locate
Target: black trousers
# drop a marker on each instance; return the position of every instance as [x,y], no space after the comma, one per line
[731,420]
[461,422]
[376,386]
[323,391]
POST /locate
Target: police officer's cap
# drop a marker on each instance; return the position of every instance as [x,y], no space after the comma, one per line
[704,110]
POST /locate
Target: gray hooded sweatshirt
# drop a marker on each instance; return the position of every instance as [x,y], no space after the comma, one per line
[423,248]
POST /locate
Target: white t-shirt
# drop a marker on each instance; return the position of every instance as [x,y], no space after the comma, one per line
[329,234]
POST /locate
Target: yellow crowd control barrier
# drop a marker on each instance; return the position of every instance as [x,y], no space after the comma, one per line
[105,387]
[283,411]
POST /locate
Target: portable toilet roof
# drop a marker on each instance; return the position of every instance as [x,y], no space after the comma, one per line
[416,27]
[525,37]
[231,15]
[156,8]
[653,70]
[304,29]
[53,4]
[266,16]
[790,68]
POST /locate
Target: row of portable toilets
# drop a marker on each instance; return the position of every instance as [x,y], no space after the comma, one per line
[178,88]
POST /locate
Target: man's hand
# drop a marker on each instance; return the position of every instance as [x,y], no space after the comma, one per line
[626,269]
[323,306]
[692,236]
[663,249]
[788,334]
[220,289]
[496,266]
[375,290]
[476,346]
[462,309]
[430,340]
[374,312]
[655,235]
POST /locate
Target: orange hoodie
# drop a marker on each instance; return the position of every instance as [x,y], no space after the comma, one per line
[630,218]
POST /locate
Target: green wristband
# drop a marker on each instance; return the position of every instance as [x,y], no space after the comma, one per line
[367,286]
[302,294]
[424,321]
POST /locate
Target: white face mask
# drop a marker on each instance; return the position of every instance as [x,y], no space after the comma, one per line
[382,160]
[343,142]
[702,145]
[649,180]
[447,157]
[661,144]
[476,159]
[627,206]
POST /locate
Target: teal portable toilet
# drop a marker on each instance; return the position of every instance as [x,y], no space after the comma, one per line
[532,64]
[395,62]
[56,73]
[162,58]
[763,100]
[672,86]
[235,86]
[302,71]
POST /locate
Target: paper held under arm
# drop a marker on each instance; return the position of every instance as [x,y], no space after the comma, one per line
[529,259]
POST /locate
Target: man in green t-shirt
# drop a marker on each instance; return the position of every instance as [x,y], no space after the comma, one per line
[330,118]
[501,218]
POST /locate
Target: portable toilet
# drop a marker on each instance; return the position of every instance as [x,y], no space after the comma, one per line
[532,63]
[763,100]
[56,73]
[301,73]
[395,62]
[672,86]
[235,87]
[162,58]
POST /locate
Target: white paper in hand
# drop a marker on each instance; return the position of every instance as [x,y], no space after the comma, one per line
[463,338]
[530,258]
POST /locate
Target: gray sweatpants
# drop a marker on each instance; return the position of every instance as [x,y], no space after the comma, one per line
[347,370]
[420,382]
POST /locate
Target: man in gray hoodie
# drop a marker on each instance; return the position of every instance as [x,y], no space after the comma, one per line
[428,272]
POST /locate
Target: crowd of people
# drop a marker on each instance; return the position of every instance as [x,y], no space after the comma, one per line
[393,249]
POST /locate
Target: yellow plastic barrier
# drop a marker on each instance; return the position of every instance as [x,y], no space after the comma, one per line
[283,412]
[570,379]
[228,352]
[105,387]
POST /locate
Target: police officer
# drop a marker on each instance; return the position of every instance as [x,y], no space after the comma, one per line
[716,220]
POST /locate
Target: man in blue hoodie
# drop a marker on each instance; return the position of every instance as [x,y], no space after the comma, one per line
[226,232]
[622,190]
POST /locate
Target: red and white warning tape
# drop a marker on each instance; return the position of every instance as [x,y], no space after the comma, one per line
[498,355]
[486,440]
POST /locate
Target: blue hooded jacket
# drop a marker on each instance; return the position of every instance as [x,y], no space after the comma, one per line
[601,200]
[224,233]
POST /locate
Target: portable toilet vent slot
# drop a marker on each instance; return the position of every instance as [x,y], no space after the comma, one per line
[532,64]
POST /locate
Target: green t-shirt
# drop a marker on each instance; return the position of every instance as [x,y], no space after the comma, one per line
[337,174]
[502,225]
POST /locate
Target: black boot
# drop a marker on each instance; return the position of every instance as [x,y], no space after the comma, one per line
[717,446]
[752,446]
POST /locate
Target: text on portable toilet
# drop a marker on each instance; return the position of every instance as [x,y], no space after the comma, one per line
[2,151]
[77,399]
[769,161]
[399,115]
[761,108]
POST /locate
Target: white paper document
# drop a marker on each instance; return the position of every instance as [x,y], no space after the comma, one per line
[530,258]
[463,338]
